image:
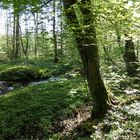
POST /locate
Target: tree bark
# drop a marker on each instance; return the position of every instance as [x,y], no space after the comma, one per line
[13,38]
[26,35]
[7,36]
[130,57]
[54,34]
[35,34]
[87,45]
[22,44]
[61,28]
[17,40]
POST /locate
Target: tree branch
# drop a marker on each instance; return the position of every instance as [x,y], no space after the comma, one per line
[44,4]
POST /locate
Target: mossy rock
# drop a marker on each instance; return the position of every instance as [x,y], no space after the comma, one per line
[44,73]
[19,73]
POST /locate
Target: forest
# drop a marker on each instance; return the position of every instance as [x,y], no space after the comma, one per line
[70,70]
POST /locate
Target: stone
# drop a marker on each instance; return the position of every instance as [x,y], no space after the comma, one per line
[3,87]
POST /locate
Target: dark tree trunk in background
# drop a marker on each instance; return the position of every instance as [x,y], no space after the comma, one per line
[61,28]
[22,44]
[87,45]
[17,39]
[27,35]
[7,37]
[137,49]
[130,57]
[36,34]
[13,38]
[54,34]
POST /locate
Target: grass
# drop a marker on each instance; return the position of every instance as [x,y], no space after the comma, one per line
[34,111]
[21,70]
[37,112]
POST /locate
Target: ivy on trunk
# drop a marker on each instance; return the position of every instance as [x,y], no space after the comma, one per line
[85,37]
[130,57]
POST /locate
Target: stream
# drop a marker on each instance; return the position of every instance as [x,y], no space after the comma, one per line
[133,108]
[4,88]
[44,81]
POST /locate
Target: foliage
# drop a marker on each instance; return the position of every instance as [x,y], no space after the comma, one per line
[35,112]
[19,73]
[19,6]
[38,112]
[19,69]
[118,124]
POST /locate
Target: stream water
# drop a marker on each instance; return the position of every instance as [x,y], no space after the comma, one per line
[45,81]
[133,108]
[10,88]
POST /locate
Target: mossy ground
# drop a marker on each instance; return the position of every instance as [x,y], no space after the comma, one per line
[37,111]
[24,71]
[45,111]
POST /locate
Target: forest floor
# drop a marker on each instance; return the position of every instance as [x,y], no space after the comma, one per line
[59,108]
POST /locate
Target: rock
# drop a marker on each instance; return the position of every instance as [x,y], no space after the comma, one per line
[3,87]
[10,88]
[19,74]
[1,92]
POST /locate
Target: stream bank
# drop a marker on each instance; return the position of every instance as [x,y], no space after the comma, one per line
[6,87]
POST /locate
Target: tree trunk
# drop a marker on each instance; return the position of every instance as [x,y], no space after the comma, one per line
[26,35]
[137,49]
[13,39]
[8,50]
[36,34]
[86,43]
[54,34]
[17,40]
[61,28]
[22,44]
[130,57]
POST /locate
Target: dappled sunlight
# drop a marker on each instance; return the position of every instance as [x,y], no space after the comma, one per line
[69,70]
[49,102]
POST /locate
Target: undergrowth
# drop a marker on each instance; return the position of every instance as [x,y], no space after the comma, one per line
[36,112]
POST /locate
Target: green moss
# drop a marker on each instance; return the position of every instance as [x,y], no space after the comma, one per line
[86,127]
[44,73]
[19,73]
[29,70]
[36,112]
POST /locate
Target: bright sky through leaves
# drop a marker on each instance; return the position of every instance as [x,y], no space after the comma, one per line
[2,22]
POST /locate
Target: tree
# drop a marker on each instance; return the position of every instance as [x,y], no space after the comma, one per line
[7,35]
[119,16]
[86,40]
[130,57]
[17,41]
[61,27]
[35,33]
[54,33]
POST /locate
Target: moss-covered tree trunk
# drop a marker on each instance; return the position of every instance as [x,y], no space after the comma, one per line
[130,57]
[86,42]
